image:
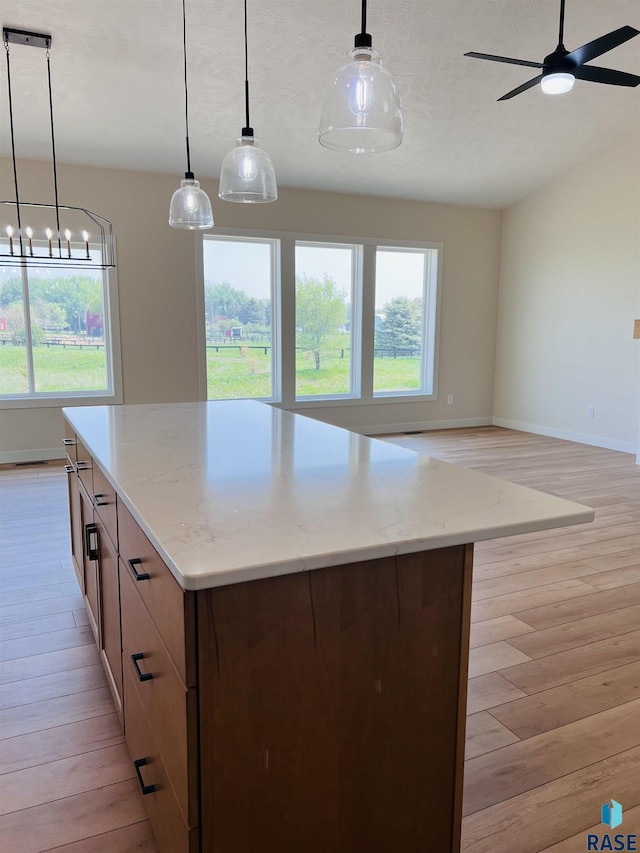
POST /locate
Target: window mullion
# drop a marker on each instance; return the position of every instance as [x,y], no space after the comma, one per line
[367,314]
[288,322]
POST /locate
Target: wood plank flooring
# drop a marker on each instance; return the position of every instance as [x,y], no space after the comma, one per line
[554,692]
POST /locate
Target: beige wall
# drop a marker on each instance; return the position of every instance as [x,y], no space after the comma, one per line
[569,292]
[157,290]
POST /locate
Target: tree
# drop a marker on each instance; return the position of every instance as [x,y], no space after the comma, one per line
[402,324]
[320,311]
[222,300]
[252,311]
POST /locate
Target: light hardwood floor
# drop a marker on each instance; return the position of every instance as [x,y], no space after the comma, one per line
[554,692]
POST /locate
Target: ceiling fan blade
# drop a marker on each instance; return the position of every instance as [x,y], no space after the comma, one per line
[601,45]
[606,75]
[520,89]
[493,58]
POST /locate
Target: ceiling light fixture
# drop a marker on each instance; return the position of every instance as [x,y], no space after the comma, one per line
[361,113]
[26,245]
[247,173]
[190,207]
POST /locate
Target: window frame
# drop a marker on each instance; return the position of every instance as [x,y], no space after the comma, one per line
[49,399]
[284,302]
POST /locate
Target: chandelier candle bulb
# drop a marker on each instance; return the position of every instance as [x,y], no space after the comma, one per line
[10,236]
[85,237]
[67,235]
[49,234]
[29,232]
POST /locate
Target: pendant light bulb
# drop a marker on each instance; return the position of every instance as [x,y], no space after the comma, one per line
[190,207]
[361,113]
[247,175]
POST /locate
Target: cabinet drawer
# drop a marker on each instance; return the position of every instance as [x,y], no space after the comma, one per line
[104,500]
[84,465]
[171,608]
[169,706]
[172,834]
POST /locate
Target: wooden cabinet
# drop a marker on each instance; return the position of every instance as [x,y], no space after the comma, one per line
[170,708]
[110,635]
[90,556]
[75,518]
[318,711]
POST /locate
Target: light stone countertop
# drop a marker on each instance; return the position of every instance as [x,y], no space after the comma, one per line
[239,490]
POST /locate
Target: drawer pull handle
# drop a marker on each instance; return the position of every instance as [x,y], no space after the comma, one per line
[142,676]
[98,502]
[69,469]
[84,466]
[91,548]
[69,442]
[146,789]
[139,576]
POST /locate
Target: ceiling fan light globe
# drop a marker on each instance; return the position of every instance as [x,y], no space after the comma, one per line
[557,83]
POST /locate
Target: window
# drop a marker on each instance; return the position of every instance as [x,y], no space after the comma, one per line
[404,321]
[239,318]
[325,289]
[55,334]
[306,321]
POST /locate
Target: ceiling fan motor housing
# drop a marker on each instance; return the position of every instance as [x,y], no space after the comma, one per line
[556,62]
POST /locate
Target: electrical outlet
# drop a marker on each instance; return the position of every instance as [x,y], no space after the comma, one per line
[450,400]
[589,411]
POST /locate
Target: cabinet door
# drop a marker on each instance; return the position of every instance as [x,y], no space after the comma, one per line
[90,565]
[110,646]
[75,517]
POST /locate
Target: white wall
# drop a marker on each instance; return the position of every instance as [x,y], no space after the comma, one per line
[569,292]
[157,291]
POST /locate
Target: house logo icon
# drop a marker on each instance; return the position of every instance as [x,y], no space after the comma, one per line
[612,814]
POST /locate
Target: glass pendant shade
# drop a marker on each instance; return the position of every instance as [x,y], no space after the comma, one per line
[558,83]
[190,207]
[361,113]
[247,174]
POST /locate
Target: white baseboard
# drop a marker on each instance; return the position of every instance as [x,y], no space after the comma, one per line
[421,426]
[569,435]
[8,457]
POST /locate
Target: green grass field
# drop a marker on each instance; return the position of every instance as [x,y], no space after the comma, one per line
[230,372]
[55,369]
[233,373]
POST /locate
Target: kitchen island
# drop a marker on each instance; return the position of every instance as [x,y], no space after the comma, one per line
[282,609]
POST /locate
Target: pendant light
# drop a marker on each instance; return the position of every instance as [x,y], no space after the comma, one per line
[190,207]
[361,113]
[247,173]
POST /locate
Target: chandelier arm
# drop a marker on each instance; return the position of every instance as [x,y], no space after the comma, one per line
[13,147]
[53,152]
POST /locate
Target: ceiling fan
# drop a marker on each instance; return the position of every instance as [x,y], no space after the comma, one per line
[562,67]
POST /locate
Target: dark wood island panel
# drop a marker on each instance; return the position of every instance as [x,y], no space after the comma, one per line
[332,707]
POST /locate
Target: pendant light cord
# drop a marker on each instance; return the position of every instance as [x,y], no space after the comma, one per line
[363,39]
[53,150]
[188,173]
[13,147]
[247,130]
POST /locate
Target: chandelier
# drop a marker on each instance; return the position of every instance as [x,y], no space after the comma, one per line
[48,235]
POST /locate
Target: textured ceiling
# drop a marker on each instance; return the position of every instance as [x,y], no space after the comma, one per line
[117,78]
